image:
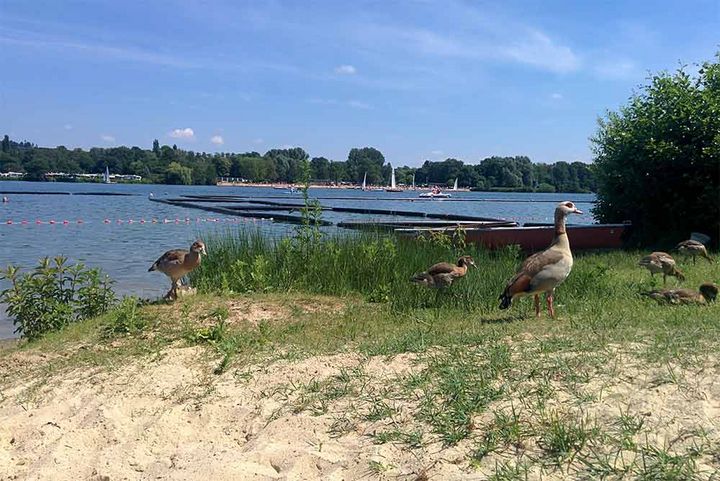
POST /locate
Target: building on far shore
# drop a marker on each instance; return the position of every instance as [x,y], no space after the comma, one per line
[12,175]
[93,177]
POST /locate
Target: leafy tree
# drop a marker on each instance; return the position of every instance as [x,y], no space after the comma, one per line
[5,144]
[320,168]
[657,158]
[37,168]
[178,174]
[367,159]
[338,171]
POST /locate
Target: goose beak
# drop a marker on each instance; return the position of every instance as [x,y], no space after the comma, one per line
[577,211]
[204,250]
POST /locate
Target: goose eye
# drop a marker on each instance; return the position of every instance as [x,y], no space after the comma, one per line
[569,204]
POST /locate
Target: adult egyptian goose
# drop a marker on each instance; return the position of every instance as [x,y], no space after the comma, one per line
[177,263]
[661,262]
[693,248]
[544,271]
[705,294]
[443,274]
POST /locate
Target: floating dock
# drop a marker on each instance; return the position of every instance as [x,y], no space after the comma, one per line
[290,211]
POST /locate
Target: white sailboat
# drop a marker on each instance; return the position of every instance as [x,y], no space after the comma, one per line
[364,184]
[413,187]
[393,187]
[106,176]
[455,185]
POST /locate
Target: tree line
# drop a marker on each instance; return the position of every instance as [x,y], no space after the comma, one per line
[171,165]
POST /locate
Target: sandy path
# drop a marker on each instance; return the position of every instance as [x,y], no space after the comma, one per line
[172,419]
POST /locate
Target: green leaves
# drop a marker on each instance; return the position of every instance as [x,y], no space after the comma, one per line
[658,160]
[54,295]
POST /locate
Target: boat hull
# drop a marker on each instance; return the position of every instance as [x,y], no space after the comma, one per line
[428,195]
[592,236]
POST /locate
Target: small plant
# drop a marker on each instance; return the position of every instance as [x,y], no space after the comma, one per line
[563,437]
[308,235]
[126,318]
[218,336]
[54,295]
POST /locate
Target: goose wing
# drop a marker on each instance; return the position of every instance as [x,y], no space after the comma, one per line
[530,269]
[664,258]
[170,258]
[441,268]
[690,244]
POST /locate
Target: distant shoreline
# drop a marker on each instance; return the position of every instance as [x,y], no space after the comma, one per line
[323,186]
[312,186]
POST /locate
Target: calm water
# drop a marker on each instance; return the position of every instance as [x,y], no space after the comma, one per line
[126,250]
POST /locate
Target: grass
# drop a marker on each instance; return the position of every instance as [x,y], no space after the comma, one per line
[517,394]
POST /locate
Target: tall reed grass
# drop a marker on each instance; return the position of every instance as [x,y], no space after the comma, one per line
[602,290]
[374,265]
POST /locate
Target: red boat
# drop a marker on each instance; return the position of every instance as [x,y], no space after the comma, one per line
[537,237]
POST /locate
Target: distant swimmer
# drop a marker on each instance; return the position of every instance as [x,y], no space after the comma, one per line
[5,199]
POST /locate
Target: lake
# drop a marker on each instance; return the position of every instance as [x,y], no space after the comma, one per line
[117,233]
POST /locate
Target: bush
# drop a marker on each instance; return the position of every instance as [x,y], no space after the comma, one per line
[54,295]
[657,159]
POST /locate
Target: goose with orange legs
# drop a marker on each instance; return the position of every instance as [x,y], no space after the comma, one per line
[661,263]
[443,274]
[177,263]
[544,271]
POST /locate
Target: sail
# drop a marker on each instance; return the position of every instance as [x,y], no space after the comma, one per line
[455,186]
[364,181]
[106,177]
[392,180]
[413,181]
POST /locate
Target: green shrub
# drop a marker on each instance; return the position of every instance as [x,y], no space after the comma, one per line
[54,295]
[657,159]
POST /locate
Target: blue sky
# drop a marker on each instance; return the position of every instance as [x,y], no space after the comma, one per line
[416,79]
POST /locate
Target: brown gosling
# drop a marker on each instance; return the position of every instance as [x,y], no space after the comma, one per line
[177,263]
[544,271]
[704,295]
[693,248]
[661,263]
[443,274]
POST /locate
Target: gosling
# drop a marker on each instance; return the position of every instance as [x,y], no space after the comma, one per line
[693,248]
[661,263]
[443,274]
[706,294]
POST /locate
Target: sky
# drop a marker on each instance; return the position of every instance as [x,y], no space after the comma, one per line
[422,79]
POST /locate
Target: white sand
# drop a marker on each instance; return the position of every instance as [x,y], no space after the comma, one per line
[171,418]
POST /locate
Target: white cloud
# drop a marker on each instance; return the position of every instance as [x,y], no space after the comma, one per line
[556,96]
[345,70]
[217,140]
[538,50]
[186,133]
[67,126]
[258,141]
[619,69]
[356,104]
[107,138]
[33,40]
[474,36]
[436,152]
